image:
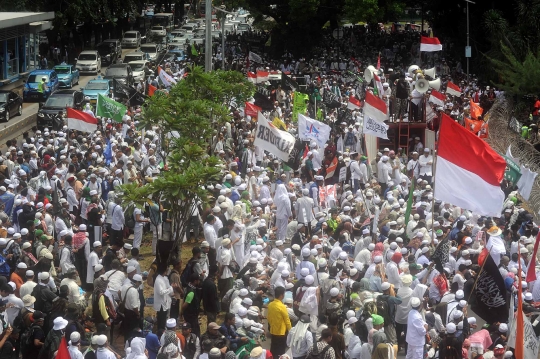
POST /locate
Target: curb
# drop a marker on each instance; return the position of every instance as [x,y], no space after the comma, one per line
[9,130]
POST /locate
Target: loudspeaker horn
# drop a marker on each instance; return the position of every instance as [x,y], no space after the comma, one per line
[430,72]
[422,86]
[368,74]
[412,68]
[435,84]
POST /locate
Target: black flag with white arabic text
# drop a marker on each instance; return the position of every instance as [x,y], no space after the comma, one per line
[441,255]
[490,294]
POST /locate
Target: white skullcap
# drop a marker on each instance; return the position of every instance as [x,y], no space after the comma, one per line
[334,292]
[450,328]
[309,279]
[415,302]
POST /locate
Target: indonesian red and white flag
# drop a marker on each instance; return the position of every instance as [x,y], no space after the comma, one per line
[151,90]
[430,44]
[262,76]
[251,109]
[252,77]
[81,121]
[375,108]
[469,171]
[378,83]
[354,103]
[453,89]
[437,98]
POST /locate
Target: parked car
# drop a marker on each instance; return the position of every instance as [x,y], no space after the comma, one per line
[89,61]
[30,91]
[94,87]
[58,102]
[120,72]
[10,104]
[68,75]
[132,39]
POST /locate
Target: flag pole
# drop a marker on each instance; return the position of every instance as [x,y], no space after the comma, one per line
[478,275]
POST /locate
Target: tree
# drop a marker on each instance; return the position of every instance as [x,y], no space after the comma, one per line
[187,119]
[298,24]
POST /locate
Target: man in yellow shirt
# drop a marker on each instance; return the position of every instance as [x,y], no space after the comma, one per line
[279,323]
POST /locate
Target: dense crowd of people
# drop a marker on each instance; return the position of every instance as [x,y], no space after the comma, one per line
[323,275]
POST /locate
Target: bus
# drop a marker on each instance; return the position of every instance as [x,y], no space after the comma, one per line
[163,19]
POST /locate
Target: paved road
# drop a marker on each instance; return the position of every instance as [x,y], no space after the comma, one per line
[19,124]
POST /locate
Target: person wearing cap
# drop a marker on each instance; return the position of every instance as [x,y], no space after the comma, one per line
[384,173]
[74,345]
[425,163]
[416,330]
[91,263]
[130,297]
[304,208]
[53,339]
[216,339]
[279,322]
[28,285]
[452,343]
[163,291]
[191,345]
[18,275]
[389,317]
[225,259]
[210,234]
[43,294]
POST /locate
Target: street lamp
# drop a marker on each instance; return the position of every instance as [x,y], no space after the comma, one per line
[468,48]
[208,45]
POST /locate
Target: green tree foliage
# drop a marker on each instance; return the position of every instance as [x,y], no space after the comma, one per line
[188,117]
[519,77]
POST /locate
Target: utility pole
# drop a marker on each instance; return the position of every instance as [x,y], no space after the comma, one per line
[208,44]
[468,47]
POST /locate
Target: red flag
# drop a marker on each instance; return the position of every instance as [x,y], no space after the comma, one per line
[354,103]
[430,44]
[484,130]
[475,110]
[151,90]
[453,89]
[306,150]
[81,121]
[531,270]
[437,98]
[473,125]
[252,77]
[482,256]
[379,61]
[251,110]
[519,324]
[63,352]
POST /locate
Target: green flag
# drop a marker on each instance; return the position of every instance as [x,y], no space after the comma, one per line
[409,202]
[194,51]
[109,108]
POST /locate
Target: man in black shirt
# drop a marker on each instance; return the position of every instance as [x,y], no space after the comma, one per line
[209,295]
[31,348]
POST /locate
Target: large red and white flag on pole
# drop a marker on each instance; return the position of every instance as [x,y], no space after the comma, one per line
[437,98]
[453,89]
[469,171]
[375,108]
[430,44]
[354,103]
[251,109]
[81,121]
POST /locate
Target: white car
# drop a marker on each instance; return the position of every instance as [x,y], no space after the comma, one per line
[151,49]
[89,61]
[137,67]
[131,39]
[158,31]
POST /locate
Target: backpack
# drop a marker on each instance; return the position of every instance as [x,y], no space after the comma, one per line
[186,273]
[297,300]
[383,310]
[26,339]
[129,220]
[315,354]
